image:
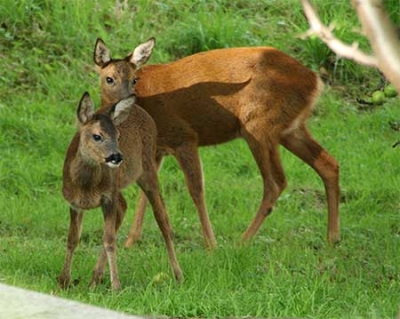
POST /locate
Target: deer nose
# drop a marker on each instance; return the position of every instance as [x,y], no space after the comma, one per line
[114,159]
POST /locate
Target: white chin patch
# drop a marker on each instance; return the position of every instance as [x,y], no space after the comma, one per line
[113,165]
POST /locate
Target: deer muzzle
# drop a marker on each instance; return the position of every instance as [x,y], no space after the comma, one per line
[114,160]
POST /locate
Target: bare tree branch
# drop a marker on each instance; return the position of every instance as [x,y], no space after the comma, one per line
[325,34]
[382,36]
[379,30]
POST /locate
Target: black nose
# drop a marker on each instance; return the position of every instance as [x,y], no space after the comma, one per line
[114,158]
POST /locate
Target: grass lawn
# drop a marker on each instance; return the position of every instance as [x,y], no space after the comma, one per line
[289,270]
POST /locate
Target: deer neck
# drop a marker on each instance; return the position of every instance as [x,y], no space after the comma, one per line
[85,173]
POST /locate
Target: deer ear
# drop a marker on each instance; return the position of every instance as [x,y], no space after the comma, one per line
[101,54]
[142,52]
[122,110]
[85,109]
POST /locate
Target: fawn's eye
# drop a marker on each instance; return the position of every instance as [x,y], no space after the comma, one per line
[109,80]
[97,137]
[134,81]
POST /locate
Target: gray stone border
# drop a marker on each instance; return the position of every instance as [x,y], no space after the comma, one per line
[18,303]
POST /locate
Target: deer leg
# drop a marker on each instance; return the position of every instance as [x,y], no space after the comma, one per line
[300,143]
[135,233]
[148,182]
[266,154]
[189,161]
[99,269]
[110,212]
[98,272]
[74,233]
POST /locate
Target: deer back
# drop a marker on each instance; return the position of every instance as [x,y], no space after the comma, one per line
[218,92]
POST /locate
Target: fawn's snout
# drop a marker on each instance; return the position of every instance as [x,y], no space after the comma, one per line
[114,160]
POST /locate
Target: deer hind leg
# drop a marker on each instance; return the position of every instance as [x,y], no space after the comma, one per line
[135,233]
[148,182]
[264,148]
[189,161]
[98,272]
[300,143]
[74,233]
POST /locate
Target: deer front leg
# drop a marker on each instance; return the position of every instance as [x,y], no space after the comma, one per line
[189,161]
[110,211]
[135,233]
[74,233]
[98,272]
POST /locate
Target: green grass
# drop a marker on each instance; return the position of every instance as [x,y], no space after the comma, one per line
[289,270]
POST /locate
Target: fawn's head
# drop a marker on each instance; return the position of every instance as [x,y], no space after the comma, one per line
[98,142]
[118,76]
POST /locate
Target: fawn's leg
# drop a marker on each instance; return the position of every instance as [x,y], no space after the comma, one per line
[264,148]
[98,272]
[189,161]
[135,233]
[74,233]
[110,212]
[149,184]
[300,143]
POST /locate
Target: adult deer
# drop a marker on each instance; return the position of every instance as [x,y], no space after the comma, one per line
[259,94]
[110,151]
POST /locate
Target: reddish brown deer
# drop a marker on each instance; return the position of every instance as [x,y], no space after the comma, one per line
[259,94]
[111,151]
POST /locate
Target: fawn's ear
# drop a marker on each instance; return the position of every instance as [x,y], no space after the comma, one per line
[101,54]
[122,109]
[85,109]
[142,52]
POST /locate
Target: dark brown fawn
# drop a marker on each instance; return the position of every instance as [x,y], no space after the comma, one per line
[111,151]
[259,94]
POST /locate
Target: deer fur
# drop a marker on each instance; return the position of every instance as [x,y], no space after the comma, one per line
[259,94]
[110,151]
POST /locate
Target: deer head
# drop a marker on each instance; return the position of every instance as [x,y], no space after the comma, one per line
[98,131]
[117,79]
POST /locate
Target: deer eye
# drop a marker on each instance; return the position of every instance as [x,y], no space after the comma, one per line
[109,80]
[97,137]
[134,81]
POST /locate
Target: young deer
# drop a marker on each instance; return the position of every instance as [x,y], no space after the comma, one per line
[259,94]
[111,151]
